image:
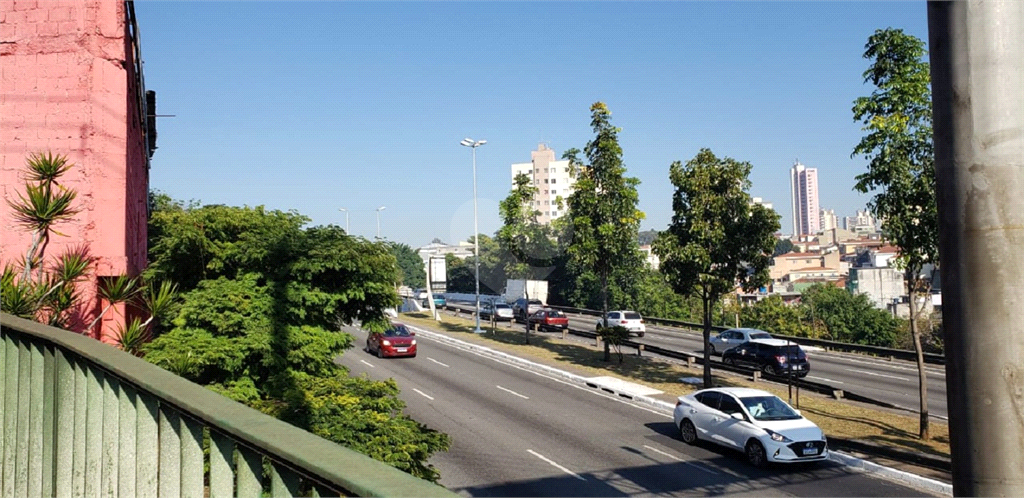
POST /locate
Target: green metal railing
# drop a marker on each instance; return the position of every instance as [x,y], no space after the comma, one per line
[82,418]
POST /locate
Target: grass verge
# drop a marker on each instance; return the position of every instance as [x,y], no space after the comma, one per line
[836,417]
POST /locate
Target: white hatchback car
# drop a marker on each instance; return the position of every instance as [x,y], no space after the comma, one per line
[629,319]
[731,338]
[756,422]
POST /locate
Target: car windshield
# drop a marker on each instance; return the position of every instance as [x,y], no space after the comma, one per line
[399,331]
[632,316]
[769,408]
[760,335]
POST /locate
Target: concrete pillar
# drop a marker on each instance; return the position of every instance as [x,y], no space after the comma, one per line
[977,66]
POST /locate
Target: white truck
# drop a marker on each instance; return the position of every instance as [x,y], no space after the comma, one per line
[518,289]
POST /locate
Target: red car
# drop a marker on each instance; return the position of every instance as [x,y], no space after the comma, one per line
[395,341]
[549,320]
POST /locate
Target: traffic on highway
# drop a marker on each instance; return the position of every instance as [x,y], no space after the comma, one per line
[522,431]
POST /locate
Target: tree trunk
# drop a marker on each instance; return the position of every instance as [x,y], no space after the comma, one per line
[707,338]
[604,313]
[922,376]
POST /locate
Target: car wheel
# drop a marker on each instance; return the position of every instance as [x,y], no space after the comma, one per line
[380,353]
[768,370]
[641,334]
[367,348]
[687,432]
[729,361]
[755,453]
[712,348]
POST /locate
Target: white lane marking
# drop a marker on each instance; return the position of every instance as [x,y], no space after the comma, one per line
[439,363]
[512,392]
[893,365]
[559,467]
[367,363]
[699,467]
[421,393]
[823,379]
[590,390]
[865,372]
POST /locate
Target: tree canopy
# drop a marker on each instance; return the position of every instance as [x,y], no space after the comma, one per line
[718,238]
[260,321]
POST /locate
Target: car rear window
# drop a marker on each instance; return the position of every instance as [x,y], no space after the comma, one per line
[632,316]
[556,314]
[793,349]
[761,335]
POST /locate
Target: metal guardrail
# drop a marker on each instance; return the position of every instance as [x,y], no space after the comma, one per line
[83,418]
[902,354]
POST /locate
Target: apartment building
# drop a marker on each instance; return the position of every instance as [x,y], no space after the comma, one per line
[552,179]
[804,190]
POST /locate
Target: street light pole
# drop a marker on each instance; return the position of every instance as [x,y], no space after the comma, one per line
[378,219]
[346,220]
[468,142]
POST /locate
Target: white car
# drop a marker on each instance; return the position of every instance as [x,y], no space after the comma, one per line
[496,310]
[629,319]
[756,422]
[731,338]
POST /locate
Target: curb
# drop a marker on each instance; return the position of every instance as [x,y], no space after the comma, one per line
[913,480]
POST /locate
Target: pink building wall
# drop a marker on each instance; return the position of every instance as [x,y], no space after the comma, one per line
[68,85]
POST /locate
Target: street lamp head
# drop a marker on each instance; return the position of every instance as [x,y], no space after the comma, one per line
[342,209]
[481,142]
[469,142]
[381,208]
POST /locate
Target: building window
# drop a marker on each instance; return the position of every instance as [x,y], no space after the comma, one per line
[552,180]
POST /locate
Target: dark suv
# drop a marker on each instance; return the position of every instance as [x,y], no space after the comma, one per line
[521,309]
[771,356]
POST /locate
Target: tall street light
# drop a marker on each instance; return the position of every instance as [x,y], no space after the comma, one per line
[378,219]
[346,220]
[469,142]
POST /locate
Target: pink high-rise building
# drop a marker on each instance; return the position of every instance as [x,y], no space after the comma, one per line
[804,187]
[71,84]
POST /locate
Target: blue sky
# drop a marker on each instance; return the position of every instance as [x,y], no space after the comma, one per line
[324,105]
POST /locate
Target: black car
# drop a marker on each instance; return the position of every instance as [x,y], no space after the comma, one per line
[771,356]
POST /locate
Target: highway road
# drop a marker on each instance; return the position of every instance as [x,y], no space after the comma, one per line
[890,381]
[520,433]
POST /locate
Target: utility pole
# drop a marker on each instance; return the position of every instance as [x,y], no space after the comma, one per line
[977,72]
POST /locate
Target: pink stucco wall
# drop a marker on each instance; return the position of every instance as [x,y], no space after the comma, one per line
[68,86]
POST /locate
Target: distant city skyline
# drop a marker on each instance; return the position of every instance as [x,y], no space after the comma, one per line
[803,182]
[316,106]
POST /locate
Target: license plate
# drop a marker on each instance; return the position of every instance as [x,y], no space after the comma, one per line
[401,350]
[798,367]
[810,451]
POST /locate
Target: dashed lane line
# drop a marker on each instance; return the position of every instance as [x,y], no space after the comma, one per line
[559,467]
[698,467]
[439,363]
[367,363]
[421,393]
[512,392]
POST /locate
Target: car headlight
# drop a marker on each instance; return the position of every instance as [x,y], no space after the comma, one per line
[823,438]
[385,342]
[778,437]
[414,343]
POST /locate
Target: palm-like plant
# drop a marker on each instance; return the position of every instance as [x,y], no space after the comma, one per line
[120,289]
[45,203]
[159,302]
[131,338]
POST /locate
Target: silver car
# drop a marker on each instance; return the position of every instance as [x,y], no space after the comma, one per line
[501,312]
[731,338]
[752,421]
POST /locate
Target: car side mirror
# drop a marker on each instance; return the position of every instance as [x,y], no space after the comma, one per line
[738,416]
[412,333]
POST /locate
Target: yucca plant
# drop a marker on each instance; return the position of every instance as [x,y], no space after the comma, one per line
[120,289]
[131,338]
[17,297]
[44,203]
[159,302]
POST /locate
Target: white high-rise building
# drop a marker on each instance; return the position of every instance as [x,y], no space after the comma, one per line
[553,180]
[829,220]
[804,188]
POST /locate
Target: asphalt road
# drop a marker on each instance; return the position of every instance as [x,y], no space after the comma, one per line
[890,381]
[520,433]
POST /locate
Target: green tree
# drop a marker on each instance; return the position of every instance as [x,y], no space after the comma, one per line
[260,323]
[897,117]
[783,246]
[718,238]
[604,221]
[410,264]
[849,318]
[773,315]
